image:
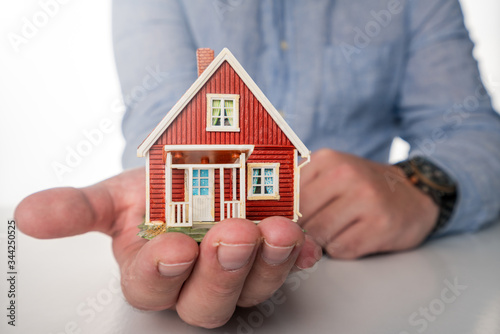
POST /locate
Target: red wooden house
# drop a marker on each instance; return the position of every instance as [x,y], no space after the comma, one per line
[222,151]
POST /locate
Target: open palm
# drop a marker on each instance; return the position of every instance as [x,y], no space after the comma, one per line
[238,262]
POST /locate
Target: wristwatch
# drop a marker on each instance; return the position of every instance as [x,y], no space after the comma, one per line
[434,182]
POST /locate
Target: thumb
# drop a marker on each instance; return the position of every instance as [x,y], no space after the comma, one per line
[56,213]
[62,212]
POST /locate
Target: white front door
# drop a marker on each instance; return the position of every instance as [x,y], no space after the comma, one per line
[202,188]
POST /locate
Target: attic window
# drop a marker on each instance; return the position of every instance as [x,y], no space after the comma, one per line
[223,112]
[263,181]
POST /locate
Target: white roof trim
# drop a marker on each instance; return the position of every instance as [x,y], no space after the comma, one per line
[224,55]
[208,147]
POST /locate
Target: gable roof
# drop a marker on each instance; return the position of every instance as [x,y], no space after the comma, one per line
[224,55]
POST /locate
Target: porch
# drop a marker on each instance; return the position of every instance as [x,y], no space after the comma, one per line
[201,200]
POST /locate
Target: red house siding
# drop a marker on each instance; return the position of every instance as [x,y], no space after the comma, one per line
[256,128]
[256,125]
[156,184]
[260,209]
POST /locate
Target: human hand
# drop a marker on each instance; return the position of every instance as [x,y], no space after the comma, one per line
[355,207]
[238,262]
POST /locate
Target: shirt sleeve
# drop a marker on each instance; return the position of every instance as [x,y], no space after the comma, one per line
[156,64]
[445,113]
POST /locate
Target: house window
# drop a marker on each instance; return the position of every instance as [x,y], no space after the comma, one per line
[223,112]
[263,181]
[200,184]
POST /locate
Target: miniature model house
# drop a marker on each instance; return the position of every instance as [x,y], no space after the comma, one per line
[222,151]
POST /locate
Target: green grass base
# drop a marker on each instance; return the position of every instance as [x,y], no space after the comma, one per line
[195,232]
[151,231]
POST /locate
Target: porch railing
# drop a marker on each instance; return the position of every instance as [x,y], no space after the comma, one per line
[179,214]
[231,209]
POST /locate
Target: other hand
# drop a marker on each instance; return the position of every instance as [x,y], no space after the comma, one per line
[355,207]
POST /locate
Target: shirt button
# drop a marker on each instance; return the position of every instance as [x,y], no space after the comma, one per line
[284,45]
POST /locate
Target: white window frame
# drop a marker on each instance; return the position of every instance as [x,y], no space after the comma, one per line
[276,181]
[236,113]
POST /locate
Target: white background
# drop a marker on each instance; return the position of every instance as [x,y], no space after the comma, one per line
[59,84]
[62,83]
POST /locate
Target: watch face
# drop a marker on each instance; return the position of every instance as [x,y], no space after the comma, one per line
[438,179]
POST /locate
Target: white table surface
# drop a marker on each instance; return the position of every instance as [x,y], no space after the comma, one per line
[71,285]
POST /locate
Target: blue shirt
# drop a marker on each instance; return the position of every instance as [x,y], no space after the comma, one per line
[348,75]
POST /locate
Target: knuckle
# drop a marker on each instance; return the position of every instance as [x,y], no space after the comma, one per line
[348,171]
[143,294]
[331,176]
[249,302]
[222,290]
[385,224]
[142,299]
[342,172]
[369,191]
[381,223]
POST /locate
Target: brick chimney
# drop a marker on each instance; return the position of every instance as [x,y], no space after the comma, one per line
[204,57]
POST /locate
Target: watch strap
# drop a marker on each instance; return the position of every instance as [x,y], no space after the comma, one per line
[434,182]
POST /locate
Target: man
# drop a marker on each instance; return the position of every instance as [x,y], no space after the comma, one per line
[348,76]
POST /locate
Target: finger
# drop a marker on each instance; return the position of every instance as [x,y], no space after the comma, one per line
[313,168]
[358,240]
[209,296]
[318,194]
[327,187]
[331,220]
[153,276]
[282,243]
[310,254]
[61,212]
[320,159]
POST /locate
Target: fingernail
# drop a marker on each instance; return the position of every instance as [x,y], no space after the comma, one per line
[275,255]
[233,257]
[333,248]
[174,269]
[309,262]
[318,251]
